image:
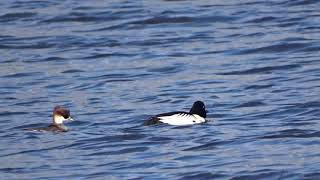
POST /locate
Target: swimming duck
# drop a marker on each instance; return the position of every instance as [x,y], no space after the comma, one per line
[196,115]
[60,114]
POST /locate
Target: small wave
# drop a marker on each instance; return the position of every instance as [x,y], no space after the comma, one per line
[119,152]
[301,2]
[262,19]
[251,104]
[278,48]
[207,146]
[262,70]
[112,138]
[39,45]
[36,151]
[292,133]
[16,16]
[20,75]
[184,19]
[202,175]
[11,113]
[160,20]
[34,4]
[79,18]
[71,71]
[255,87]
[172,69]
[306,105]
[105,55]
[262,174]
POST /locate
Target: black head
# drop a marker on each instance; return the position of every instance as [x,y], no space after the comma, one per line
[59,110]
[199,108]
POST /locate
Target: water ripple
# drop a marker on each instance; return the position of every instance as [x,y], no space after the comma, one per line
[255,64]
[262,70]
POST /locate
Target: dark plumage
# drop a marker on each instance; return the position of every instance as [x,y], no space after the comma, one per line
[52,127]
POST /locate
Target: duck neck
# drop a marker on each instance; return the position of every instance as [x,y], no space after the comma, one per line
[60,127]
[200,112]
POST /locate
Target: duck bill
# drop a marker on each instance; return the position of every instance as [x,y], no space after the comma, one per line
[70,119]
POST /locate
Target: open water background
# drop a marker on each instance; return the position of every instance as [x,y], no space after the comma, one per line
[114,63]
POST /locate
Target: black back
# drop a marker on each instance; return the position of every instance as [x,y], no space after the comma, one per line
[155,119]
[51,127]
[171,113]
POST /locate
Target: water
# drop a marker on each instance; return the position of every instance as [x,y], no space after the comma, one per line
[114,64]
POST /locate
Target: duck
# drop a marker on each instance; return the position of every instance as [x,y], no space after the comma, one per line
[196,115]
[60,114]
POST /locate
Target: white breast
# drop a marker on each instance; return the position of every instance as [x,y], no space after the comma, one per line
[182,119]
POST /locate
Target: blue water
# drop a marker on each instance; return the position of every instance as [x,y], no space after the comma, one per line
[256,65]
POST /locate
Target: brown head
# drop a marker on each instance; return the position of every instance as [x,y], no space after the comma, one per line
[61,114]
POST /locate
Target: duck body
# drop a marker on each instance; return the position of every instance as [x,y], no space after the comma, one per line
[52,127]
[196,115]
[177,118]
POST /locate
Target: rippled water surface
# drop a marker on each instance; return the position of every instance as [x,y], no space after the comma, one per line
[115,63]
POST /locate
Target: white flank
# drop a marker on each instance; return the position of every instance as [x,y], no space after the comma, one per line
[182,119]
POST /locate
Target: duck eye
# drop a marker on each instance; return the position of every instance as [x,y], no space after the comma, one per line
[194,121]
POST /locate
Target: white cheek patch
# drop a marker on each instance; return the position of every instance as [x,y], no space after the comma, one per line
[58,119]
[182,119]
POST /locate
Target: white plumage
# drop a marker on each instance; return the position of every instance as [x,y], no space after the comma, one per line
[182,119]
